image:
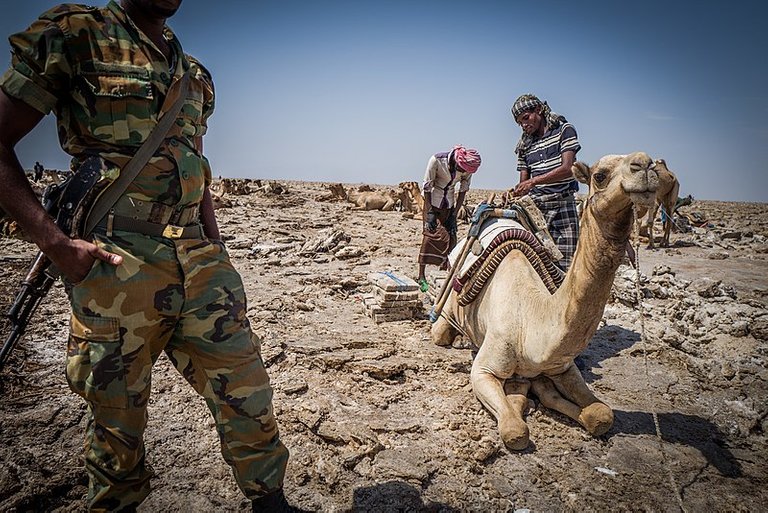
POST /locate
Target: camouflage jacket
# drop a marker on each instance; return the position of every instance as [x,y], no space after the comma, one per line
[106,82]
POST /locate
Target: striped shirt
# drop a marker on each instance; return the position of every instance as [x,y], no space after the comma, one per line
[441,178]
[546,154]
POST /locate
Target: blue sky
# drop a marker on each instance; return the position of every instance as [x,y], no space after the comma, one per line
[366,91]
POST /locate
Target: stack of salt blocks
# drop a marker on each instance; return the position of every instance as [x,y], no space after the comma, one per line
[394,297]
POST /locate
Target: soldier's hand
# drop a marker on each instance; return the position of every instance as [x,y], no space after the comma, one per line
[76,257]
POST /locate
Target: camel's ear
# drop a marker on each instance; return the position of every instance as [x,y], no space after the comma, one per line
[581,172]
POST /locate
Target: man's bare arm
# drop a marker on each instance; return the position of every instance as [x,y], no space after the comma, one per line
[560,173]
[73,257]
[208,218]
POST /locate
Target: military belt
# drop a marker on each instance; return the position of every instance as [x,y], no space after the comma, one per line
[114,222]
[154,212]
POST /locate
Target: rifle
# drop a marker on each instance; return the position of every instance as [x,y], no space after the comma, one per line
[65,202]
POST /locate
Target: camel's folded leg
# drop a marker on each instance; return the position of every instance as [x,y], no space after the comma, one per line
[517,397]
[549,396]
[590,412]
[507,409]
[442,332]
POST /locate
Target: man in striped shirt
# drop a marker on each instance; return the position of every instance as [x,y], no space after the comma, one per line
[545,153]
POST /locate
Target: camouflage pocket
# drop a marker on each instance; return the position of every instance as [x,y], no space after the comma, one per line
[95,367]
[122,98]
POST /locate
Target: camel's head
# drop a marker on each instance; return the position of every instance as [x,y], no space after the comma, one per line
[337,190]
[618,181]
[410,186]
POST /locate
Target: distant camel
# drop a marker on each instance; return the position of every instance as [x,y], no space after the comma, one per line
[231,186]
[411,197]
[335,192]
[366,200]
[666,197]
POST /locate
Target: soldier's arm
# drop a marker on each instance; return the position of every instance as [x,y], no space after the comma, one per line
[208,218]
[73,257]
[17,119]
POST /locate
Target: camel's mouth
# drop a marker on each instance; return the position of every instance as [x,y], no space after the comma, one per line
[645,199]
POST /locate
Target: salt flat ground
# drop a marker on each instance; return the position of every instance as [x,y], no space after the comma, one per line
[378,418]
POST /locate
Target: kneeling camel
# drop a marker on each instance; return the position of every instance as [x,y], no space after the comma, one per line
[527,337]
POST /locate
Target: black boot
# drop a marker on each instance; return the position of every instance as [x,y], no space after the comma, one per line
[272,503]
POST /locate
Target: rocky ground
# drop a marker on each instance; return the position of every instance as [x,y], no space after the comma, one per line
[378,418]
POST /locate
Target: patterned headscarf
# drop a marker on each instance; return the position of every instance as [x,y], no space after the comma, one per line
[528,102]
[468,159]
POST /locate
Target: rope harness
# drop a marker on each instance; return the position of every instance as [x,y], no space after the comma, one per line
[457,325]
[644,340]
[671,218]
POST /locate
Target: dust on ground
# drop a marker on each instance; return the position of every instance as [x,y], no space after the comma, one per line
[377,418]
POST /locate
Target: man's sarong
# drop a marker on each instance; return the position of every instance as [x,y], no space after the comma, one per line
[436,245]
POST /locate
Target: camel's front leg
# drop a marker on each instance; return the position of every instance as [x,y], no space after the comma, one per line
[649,225]
[591,413]
[667,224]
[667,230]
[507,409]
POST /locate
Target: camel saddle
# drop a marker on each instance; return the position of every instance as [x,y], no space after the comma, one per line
[525,232]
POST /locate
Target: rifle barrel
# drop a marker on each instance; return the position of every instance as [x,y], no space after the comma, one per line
[8,345]
[33,289]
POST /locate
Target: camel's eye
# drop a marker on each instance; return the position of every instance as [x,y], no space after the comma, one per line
[599,177]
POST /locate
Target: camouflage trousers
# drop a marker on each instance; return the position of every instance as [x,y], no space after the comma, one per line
[185,298]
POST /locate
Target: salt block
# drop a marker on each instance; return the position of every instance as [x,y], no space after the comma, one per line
[390,282]
[393,314]
[382,295]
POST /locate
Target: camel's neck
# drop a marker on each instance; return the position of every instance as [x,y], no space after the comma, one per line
[587,285]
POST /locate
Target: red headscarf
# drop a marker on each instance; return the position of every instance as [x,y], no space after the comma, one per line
[468,159]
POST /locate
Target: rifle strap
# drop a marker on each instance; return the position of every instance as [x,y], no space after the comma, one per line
[145,152]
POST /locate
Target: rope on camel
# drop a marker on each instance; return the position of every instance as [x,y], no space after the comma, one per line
[644,339]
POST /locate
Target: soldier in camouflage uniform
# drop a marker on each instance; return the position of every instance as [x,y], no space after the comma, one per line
[154,276]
